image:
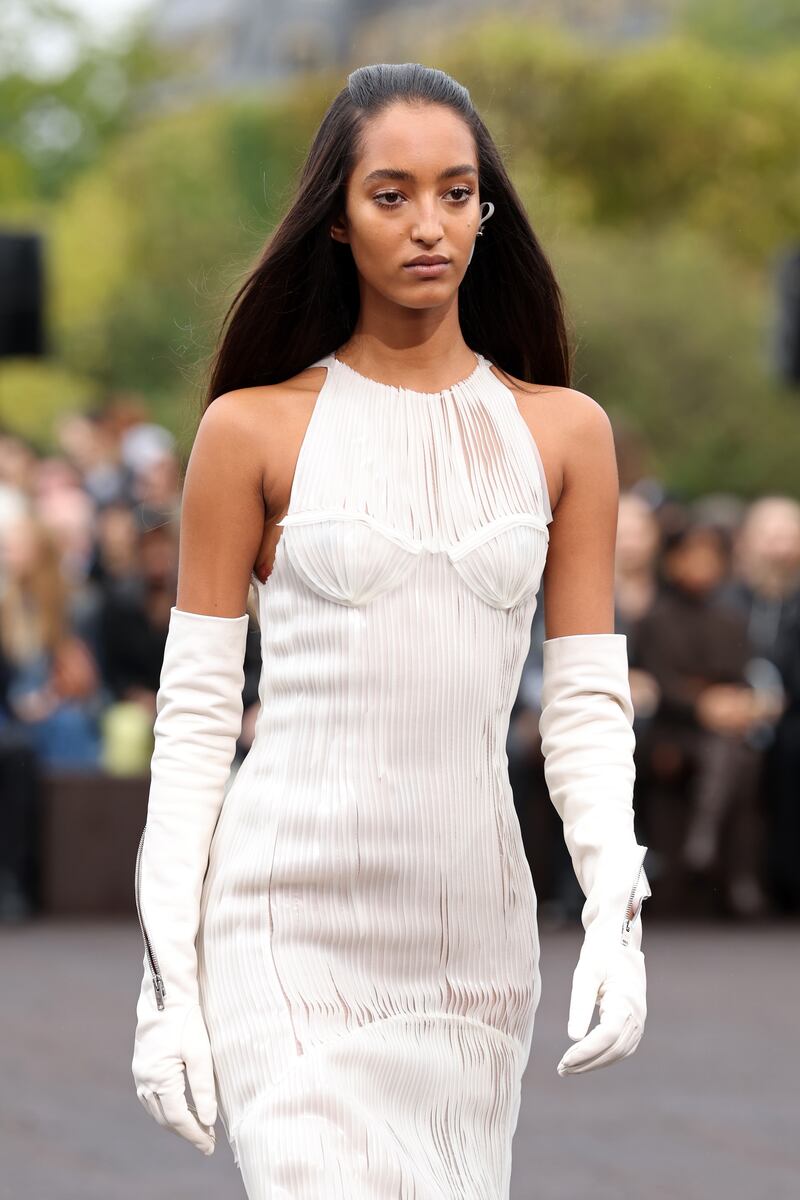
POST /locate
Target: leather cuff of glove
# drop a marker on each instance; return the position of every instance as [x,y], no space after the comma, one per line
[614,904]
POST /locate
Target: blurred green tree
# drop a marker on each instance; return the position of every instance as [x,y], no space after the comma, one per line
[748,27]
[59,117]
[662,179]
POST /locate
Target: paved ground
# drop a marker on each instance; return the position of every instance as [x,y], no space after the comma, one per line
[707,1107]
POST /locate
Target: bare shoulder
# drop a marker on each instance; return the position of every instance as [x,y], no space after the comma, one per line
[561,420]
[570,409]
[269,420]
[246,409]
[575,437]
[243,447]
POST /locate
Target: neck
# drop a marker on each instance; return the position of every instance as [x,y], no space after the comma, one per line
[427,367]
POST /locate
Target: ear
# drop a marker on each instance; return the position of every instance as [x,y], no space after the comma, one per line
[338,229]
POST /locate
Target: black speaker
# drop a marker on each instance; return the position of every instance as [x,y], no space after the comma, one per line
[21,295]
[787,330]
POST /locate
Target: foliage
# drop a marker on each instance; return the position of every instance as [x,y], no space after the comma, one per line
[669,132]
[169,222]
[662,180]
[53,125]
[747,27]
[34,393]
[673,337]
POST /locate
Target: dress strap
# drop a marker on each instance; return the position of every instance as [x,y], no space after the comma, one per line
[326,360]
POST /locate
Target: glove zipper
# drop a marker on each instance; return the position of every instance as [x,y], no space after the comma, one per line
[158,982]
[630,912]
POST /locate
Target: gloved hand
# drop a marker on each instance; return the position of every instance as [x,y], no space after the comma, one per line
[611,967]
[198,721]
[588,742]
[163,1048]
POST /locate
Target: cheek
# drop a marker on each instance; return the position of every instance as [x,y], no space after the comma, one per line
[377,242]
[368,221]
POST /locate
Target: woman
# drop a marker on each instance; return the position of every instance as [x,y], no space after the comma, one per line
[53,690]
[361,997]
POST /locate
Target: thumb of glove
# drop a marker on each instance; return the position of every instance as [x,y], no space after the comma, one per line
[582,1000]
[196,1053]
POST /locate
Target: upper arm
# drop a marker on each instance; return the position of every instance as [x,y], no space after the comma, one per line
[222,510]
[578,580]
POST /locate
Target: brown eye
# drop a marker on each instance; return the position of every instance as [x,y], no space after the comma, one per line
[459,187]
[380,194]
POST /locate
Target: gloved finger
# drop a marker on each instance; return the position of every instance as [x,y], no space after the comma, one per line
[200,1068]
[210,1130]
[596,1042]
[637,1037]
[628,1039]
[201,1081]
[184,1123]
[152,1106]
[582,1001]
[586,1051]
[603,1051]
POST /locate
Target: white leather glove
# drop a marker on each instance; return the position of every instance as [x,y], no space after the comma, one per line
[588,743]
[198,721]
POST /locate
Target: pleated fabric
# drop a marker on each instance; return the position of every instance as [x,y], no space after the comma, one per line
[368,948]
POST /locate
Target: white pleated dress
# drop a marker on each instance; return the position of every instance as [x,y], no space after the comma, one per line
[368,949]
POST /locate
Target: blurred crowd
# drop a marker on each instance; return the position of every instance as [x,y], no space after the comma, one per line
[88,574]
[708,595]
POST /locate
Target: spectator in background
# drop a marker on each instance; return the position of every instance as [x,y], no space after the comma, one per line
[766,590]
[18,459]
[115,550]
[20,813]
[148,452]
[63,505]
[766,568]
[53,685]
[14,505]
[20,796]
[697,650]
[134,617]
[636,560]
[783,773]
[66,510]
[135,610]
[91,445]
[636,585]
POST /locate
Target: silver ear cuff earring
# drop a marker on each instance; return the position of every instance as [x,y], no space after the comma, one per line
[482,222]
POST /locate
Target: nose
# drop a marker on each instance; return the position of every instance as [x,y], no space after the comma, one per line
[428,225]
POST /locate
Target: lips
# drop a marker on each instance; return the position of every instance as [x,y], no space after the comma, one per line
[427,266]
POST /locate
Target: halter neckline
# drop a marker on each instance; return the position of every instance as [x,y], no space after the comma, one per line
[480,365]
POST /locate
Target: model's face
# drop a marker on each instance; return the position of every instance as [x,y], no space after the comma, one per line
[414,190]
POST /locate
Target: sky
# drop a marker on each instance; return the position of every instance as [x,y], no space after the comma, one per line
[107,15]
[48,52]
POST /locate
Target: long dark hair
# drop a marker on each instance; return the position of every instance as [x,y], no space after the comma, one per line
[301,299]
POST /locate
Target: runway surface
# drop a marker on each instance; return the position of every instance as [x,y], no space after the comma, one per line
[706,1109]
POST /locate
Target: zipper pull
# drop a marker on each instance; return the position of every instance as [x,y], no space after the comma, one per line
[633,908]
[160,990]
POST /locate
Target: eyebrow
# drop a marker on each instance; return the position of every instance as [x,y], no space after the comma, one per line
[398,173]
